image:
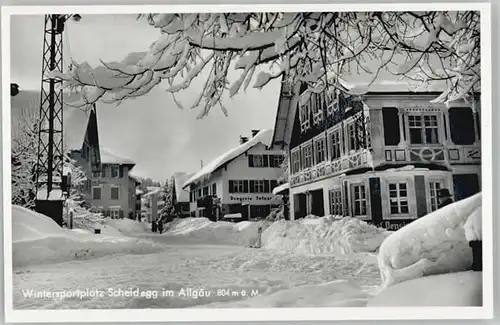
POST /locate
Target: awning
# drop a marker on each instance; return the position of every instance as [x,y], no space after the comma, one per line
[281,189]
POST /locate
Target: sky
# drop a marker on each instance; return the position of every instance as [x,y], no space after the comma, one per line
[151,130]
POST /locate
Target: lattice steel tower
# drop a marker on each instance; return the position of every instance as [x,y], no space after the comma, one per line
[49,166]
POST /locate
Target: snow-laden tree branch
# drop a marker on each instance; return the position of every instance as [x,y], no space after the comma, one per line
[320,49]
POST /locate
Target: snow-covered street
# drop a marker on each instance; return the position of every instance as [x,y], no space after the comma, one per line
[231,274]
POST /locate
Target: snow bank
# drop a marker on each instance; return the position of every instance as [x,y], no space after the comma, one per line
[204,230]
[473,226]
[433,244]
[453,289]
[37,239]
[127,226]
[324,235]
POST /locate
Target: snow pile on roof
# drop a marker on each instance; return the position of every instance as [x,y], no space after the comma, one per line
[446,290]
[179,180]
[432,244]
[108,157]
[37,239]
[330,235]
[264,137]
[75,126]
[281,188]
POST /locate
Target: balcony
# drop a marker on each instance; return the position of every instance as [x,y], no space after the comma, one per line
[450,154]
[355,160]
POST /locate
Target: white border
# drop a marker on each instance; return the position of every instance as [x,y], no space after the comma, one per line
[252,314]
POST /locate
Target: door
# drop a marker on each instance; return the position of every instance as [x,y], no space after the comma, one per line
[318,203]
[465,185]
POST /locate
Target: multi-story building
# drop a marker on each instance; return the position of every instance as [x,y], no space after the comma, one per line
[380,156]
[113,191]
[239,182]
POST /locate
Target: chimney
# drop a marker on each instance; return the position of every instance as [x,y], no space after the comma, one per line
[243,139]
[254,132]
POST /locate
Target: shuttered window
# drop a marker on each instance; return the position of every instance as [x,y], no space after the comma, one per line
[391,126]
[462,125]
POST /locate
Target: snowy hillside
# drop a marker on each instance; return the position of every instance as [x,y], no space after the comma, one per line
[433,244]
[37,239]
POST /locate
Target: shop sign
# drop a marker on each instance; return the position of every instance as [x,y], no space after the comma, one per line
[252,198]
[394,224]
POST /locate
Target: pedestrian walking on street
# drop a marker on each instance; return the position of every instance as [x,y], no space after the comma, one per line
[160,226]
[444,197]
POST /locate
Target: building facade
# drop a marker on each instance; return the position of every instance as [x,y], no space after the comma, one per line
[180,196]
[380,157]
[113,191]
[238,183]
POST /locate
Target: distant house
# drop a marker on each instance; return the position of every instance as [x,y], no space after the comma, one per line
[136,197]
[151,203]
[81,141]
[113,191]
[180,196]
[238,182]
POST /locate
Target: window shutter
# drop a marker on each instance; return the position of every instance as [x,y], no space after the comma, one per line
[266,160]
[250,160]
[266,186]
[461,125]
[121,170]
[231,186]
[245,186]
[391,126]
[252,186]
[274,183]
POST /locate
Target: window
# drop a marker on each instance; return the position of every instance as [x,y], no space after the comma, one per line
[214,189]
[258,161]
[359,199]
[295,162]
[462,125]
[305,116]
[96,174]
[276,160]
[336,202]
[238,186]
[115,171]
[307,156]
[205,191]
[199,193]
[114,213]
[353,141]
[115,193]
[259,186]
[320,150]
[335,144]
[96,193]
[398,197]
[434,186]
[423,129]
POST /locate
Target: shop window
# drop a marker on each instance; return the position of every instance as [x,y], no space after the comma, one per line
[462,125]
[336,202]
[359,199]
[434,186]
[423,129]
[398,198]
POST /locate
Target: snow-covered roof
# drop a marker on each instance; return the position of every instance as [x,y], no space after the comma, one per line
[108,157]
[281,188]
[152,191]
[179,179]
[75,126]
[264,137]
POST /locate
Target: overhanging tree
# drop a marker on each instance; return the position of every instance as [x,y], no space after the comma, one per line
[319,49]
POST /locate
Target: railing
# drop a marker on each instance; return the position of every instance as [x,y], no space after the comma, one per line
[448,154]
[326,169]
